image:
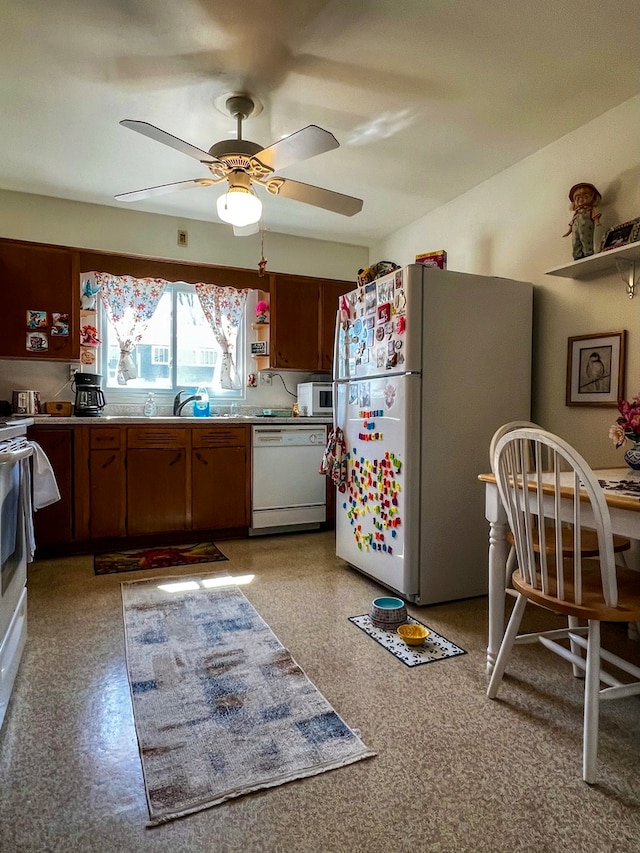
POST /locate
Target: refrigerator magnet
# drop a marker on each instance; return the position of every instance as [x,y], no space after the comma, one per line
[384,313]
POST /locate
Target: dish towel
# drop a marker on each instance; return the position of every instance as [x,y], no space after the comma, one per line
[45,487]
[27,507]
[334,459]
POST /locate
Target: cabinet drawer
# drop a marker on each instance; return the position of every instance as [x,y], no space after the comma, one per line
[220,436]
[105,438]
[163,437]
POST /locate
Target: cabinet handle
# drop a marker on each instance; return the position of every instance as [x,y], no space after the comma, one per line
[201,458]
[109,461]
[177,459]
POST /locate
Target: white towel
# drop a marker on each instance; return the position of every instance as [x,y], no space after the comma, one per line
[25,496]
[45,487]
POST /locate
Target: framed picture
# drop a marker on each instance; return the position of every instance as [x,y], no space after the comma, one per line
[621,235]
[260,348]
[595,369]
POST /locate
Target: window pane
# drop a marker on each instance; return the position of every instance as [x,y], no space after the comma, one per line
[152,355]
[198,353]
[178,349]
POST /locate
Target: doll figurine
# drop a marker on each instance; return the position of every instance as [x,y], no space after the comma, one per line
[584,198]
[88,297]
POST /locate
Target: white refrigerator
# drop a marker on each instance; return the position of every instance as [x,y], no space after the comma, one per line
[428,363]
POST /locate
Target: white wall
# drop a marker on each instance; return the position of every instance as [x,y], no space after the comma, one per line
[511,226]
[50,220]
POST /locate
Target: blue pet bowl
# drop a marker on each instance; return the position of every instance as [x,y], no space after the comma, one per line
[388,612]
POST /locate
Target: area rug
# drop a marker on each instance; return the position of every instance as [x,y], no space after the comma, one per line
[161,557]
[436,647]
[221,708]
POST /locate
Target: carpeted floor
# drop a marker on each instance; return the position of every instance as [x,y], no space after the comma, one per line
[159,557]
[454,772]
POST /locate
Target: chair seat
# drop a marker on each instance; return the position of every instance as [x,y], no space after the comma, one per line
[593,606]
[588,541]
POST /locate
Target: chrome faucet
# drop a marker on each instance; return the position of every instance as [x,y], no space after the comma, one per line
[179,403]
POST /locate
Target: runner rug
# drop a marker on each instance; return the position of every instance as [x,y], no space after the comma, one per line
[435,647]
[221,709]
[160,557]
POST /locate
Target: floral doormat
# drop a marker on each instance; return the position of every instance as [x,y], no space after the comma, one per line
[161,557]
[221,709]
[436,647]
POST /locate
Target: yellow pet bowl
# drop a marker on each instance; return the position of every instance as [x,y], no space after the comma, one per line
[413,635]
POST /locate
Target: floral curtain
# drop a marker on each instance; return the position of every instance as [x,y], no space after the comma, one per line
[129,303]
[224,307]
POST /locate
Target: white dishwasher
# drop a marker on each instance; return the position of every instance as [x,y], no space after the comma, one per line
[287,490]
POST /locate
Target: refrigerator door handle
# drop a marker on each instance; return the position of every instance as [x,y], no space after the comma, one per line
[336,346]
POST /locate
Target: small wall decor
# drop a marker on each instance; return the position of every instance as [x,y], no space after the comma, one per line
[621,235]
[584,199]
[262,311]
[36,319]
[37,342]
[59,323]
[595,369]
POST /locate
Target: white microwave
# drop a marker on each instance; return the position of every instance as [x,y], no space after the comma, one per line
[315,399]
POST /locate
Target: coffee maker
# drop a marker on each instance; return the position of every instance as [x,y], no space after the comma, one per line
[89,397]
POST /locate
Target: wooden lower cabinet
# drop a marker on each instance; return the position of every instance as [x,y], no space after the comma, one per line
[220,478]
[156,490]
[53,524]
[119,482]
[107,483]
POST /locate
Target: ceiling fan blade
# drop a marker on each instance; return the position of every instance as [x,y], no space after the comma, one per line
[298,146]
[136,195]
[246,230]
[154,132]
[317,196]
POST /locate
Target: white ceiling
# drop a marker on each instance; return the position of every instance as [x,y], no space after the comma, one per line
[427,98]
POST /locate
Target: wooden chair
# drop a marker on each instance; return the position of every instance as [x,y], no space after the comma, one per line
[582,588]
[588,539]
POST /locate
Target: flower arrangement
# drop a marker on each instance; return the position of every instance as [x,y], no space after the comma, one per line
[627,425]
[262,309]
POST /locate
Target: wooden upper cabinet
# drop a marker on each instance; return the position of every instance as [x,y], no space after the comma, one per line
[303,312]
[36,277]
[295,323]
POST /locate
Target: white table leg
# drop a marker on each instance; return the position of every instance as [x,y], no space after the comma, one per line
[498,553]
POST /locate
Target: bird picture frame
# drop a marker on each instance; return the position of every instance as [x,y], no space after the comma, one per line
[595,369]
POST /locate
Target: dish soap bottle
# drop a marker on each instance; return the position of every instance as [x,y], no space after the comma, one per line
[150,408]
[201,406]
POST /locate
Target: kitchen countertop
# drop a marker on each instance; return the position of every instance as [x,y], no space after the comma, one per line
[169,420]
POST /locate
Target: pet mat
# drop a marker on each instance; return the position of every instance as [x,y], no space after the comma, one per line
[435,647]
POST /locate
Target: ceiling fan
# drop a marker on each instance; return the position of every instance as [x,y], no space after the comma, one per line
[243,163]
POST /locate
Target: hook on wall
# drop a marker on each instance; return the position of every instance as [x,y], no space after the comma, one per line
[627,270]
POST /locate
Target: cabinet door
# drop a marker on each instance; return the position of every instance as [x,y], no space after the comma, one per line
[41,278]
[295,323]
[53,524]
[108,494]
[156,490]
[219,481]
[331,292]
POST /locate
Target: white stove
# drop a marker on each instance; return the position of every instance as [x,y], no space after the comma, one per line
[15,502]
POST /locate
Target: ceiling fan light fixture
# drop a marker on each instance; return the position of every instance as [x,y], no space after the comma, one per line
[239,206]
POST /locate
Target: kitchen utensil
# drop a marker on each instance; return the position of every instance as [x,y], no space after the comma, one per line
[26,402]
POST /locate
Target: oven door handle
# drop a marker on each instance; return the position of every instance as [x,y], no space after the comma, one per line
[13,456]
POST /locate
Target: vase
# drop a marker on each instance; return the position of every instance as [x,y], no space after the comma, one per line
[632,457]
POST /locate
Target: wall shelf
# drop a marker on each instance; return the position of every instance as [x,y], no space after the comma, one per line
[623,259]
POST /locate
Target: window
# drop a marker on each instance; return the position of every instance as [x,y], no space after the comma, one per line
[178,349]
